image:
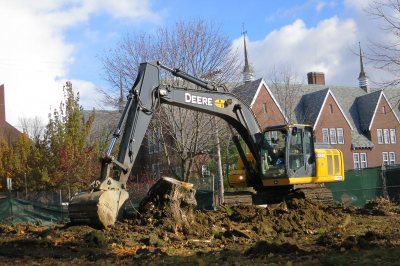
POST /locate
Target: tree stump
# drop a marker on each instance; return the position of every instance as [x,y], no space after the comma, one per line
[172,199]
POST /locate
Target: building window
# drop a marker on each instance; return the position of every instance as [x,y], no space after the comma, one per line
[325,135]
[386,137]
[392,158]
[356,160]
[393,136]
[332,135]
[265,108]
[385,158]
[340,136]
[380,136]
[363,159]
[384,110]
[331,108]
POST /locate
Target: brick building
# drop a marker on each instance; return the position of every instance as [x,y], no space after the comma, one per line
[7,131]
[360,121]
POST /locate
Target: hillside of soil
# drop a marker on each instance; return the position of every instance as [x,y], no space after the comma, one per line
[298,232]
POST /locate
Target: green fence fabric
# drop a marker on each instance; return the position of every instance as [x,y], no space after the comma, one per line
[363,185]
[392,176]
[17,210]
[205,200]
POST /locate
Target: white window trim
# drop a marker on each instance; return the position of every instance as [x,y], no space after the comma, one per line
[385,154]
[340,137]
[356,161]
[392,158]
[379,135]
[326,130]
[332,135]
[365,161]
[386,136]
[264,108]
[393,138]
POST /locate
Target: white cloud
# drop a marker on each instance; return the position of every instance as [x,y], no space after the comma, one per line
[357,5]
[320,6]
[322,48]
[88,94]
[330,47]
[34,55]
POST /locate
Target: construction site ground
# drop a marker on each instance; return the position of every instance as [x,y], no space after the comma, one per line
[297,232]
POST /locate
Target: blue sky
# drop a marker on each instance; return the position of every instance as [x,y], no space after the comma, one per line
[259,18]
[44,43]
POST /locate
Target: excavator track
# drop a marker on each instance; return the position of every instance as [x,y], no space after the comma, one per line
[316,193]
[320,194]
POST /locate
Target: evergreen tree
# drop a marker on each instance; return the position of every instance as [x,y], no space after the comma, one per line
[72,160]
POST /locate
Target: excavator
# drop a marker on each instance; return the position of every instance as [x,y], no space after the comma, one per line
[276,158]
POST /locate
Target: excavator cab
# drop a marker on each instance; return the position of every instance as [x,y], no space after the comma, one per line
[288,157]
[288,151]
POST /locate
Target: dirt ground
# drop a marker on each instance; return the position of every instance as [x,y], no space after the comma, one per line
[297,232]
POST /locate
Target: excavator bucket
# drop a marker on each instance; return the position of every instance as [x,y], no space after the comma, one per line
[98,208]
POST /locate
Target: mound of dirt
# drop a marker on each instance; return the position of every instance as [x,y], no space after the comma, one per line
[263,248]
[338,241]
[381,206]
[294,217]
[298,230]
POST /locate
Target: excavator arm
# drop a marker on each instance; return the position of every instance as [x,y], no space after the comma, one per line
[102,205]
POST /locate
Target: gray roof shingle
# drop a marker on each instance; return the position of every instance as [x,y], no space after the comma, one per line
[247,91]
[366,105]
[357,105]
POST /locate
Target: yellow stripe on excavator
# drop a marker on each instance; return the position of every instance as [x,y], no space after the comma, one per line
[329,168]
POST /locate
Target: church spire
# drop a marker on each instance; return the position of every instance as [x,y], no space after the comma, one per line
[362,78]
[247,70]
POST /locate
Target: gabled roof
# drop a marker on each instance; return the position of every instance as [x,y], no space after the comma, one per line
[390,106]
[329,93]
[311,105]
[248,93]
[366,106]
[357,105]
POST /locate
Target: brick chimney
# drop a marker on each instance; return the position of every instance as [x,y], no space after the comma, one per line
[2,108]
[316,78]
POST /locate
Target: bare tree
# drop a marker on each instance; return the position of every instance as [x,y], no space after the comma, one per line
[385,53]
[287,89]
[196,47]
[34,127]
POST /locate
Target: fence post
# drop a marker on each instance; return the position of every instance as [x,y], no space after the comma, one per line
[385,193]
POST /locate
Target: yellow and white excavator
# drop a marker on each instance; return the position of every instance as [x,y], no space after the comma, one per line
[279,156]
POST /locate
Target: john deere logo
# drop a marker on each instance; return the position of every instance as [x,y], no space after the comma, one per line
[219,103]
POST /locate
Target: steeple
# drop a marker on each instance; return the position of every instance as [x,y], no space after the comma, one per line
[362,78]
[248,69]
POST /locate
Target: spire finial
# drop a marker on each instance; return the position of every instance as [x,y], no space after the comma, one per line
[362,78]
[247,70]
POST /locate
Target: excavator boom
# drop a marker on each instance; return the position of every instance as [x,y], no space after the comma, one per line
[102,204]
